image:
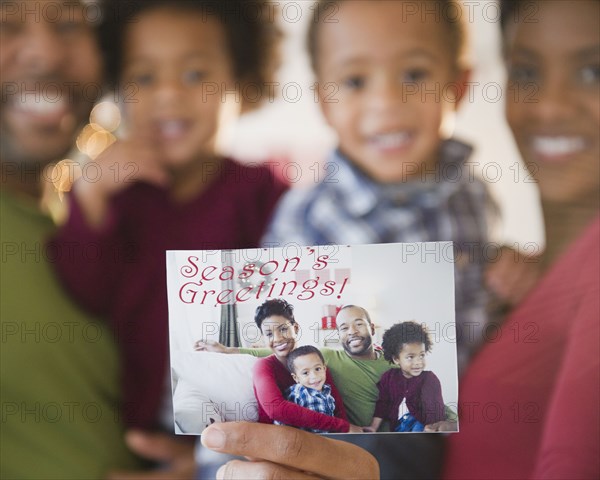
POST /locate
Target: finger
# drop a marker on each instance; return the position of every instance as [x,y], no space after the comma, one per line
[292,448]
[157,446]
[238,469]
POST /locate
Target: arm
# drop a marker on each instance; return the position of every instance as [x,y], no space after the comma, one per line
[91,280]
[570,440]
[432,403]
[94,226]
[272,401]
[384,402]
[214,346]
[375,424]
[340,411]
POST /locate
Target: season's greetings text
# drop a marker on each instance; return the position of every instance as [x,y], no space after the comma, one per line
[207,284]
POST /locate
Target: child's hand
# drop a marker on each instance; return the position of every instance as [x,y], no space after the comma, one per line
[369,429]
[513,275]
[355,429]
[118,167]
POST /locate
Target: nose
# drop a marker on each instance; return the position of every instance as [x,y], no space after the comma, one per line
[167,90]
[553,102]
[42,52]
[385,94]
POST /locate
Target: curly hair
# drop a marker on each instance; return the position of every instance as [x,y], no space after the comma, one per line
[403,333]
[324,12]
[300,352]
[249,26]
[277,306]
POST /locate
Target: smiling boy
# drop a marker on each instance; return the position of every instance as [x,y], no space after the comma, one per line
[397,79]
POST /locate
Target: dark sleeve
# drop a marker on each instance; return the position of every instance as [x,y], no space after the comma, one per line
[258,199]
[432,403]
[340,411]
[271,399]
[384,401]
[91,260]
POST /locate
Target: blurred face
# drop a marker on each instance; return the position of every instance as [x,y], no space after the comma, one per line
[178,66]
[51,73]
[411,359]
[280,335]
[356,333]
[375,67]
[309,371]
[553,105]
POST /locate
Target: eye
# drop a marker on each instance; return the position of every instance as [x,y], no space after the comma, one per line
[354,82]
[590,74]
[193,76]
[415,75]
[142,79]
[523,74]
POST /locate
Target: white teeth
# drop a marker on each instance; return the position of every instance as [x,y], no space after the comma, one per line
[39,105]
[555,146]
[391,140]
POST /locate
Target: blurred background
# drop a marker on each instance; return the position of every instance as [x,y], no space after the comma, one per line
[292,129]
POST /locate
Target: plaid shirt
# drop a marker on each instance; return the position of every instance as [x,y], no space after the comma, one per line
[317,401]
[448,204]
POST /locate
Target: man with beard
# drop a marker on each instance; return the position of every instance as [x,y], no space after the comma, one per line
[359,366]
[59,368]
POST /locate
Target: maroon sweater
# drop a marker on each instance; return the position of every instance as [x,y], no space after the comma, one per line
[423,397]
[271,380]
[120,272]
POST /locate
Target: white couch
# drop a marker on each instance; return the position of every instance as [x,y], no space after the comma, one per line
[211,387]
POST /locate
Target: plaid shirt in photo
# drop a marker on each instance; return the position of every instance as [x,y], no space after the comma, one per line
[317,401]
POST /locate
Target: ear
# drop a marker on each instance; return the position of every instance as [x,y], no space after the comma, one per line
[462,82]
[296,328]
[295,378]
[372,328]
[396,360]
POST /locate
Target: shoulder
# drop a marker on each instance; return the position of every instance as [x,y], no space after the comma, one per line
[389,375]
[430,378]
[265,364]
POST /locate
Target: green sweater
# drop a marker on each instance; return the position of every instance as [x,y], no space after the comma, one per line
[355,379]
[59,369]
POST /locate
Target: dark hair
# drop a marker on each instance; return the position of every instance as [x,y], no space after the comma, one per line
[277,306]
[249,26]
[403,333]
[300,352]
[367,316]
[324,10]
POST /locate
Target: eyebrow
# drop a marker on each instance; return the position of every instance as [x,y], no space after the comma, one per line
[586,52]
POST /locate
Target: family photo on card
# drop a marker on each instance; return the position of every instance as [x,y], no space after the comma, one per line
[329,339]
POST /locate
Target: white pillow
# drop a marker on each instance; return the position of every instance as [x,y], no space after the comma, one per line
[212,387]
